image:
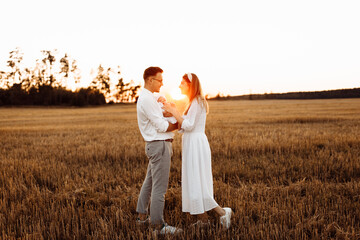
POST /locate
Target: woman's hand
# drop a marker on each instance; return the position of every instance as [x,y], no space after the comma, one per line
[170,107]
[167,114]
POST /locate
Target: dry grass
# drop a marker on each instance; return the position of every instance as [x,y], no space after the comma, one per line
[289,170]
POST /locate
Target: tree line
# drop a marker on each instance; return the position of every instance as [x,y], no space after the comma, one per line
[328,94]
[49,80]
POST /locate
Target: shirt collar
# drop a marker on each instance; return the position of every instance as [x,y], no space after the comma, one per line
[146,91]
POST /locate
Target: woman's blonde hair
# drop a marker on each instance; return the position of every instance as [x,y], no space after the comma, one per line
[195,91]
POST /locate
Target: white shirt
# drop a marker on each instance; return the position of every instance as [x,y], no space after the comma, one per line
[169,119]
[150,118]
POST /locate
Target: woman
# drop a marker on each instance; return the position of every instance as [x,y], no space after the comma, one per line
[197,181]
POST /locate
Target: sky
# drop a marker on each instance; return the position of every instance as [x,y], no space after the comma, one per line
[234,47]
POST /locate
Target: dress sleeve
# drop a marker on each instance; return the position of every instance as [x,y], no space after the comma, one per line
[189,122]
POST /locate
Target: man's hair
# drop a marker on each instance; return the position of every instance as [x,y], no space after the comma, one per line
[151,71]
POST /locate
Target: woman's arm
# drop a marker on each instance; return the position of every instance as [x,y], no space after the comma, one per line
[189,123]
[172,109]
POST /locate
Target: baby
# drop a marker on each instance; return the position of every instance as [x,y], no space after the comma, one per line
[161,100]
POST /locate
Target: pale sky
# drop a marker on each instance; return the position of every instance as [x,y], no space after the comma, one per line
[235,47]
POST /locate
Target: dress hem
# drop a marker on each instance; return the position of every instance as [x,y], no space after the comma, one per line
[197,213]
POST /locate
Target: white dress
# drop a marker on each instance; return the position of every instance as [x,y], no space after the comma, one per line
[196,176]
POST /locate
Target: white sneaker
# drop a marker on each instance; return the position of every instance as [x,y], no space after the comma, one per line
[225,220]
[166,229]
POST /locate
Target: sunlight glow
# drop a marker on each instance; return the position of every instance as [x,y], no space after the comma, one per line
[253,50]
[176,94]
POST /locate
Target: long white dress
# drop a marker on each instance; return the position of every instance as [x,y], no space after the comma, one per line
[197,180]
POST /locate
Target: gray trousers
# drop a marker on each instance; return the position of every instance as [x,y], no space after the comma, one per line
[156,181]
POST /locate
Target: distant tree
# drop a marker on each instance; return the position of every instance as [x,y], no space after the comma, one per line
[14,75]
[44,83]
[27,82]
[102,81]
[135,92]
[64,70]
[125,92]
[69,72]
[38,77]
[3,79]
[49,61]
[120,89]
[76,72]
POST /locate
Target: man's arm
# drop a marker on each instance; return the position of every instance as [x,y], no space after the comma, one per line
[155,116]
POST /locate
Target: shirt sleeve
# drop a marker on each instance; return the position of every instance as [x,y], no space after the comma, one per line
[188,123]
[155,116]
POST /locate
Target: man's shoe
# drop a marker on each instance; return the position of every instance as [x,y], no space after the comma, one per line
[140,222]
[225,220]
[166,229]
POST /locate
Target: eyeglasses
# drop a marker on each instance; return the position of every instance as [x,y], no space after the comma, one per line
[159,80]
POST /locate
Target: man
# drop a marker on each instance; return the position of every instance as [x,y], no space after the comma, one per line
[157,134]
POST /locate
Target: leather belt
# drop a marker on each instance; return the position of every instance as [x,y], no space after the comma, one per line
[166,140]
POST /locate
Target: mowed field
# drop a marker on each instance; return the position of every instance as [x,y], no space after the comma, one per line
[289,169]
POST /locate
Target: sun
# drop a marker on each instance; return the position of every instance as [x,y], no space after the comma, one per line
[176,94]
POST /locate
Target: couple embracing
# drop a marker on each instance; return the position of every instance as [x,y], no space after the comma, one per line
[196,173]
